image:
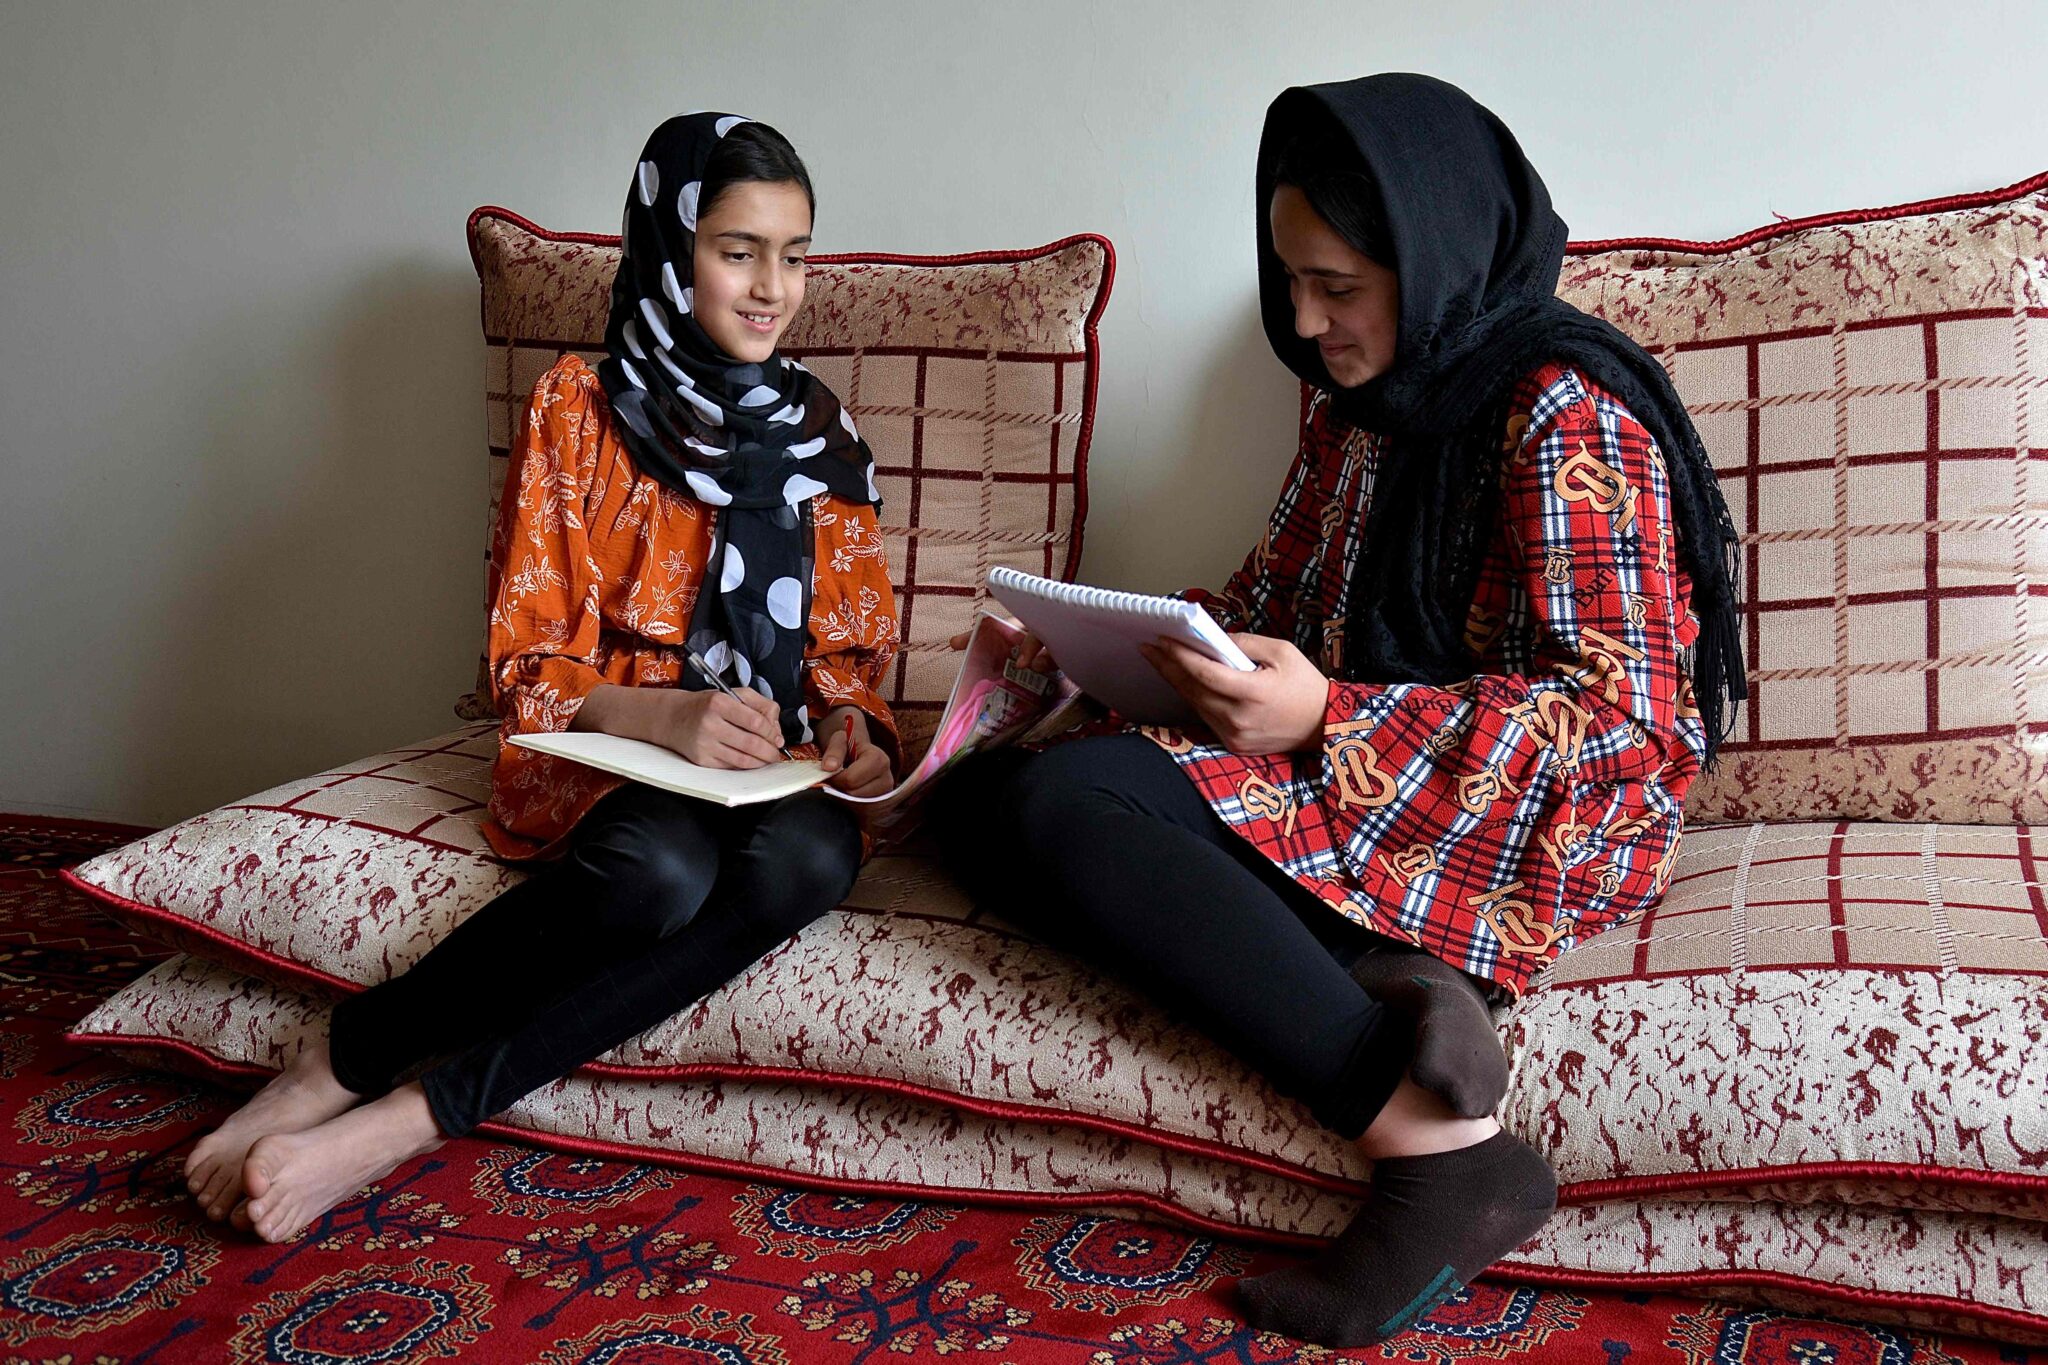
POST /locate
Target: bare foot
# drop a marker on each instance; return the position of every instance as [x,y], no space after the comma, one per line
[304,1096]
[293,1178]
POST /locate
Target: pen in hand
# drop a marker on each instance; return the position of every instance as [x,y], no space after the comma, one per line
[705,672]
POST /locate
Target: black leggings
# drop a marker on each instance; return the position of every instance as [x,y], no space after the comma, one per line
[1104,848]
[660,900]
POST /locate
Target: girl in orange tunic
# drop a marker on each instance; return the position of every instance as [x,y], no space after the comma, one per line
[696,494]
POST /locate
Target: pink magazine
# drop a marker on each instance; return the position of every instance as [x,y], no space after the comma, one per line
[994,701]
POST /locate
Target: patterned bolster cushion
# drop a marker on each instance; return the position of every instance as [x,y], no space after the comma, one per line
[1949,1272]
[973,377]
[1873,390]
[1842,1012]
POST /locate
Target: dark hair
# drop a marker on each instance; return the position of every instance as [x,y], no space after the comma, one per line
[1341,191]
[753,151]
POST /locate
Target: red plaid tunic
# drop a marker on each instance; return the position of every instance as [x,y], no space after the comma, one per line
[1496,821]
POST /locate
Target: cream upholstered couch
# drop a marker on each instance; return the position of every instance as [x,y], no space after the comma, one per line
[1813,1076]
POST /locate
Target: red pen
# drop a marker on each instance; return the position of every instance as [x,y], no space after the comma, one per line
[852,749]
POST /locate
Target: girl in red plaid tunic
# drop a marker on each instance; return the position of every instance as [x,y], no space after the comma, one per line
[1498,571]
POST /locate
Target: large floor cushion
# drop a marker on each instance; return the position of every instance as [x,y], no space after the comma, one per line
[1946,1271]
[1842,1012]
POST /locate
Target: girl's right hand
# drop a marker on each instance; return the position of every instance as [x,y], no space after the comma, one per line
[719,731]
[1029,651]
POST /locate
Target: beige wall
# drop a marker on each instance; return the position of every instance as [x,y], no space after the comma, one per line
[239,417]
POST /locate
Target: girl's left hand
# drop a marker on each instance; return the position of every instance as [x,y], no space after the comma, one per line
[869,774]
[1275,709]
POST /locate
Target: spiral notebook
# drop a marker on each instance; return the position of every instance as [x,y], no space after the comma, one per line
[1094,634]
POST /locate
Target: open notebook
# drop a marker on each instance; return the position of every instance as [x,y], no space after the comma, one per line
[1094,633]
[993,702]
[664,768]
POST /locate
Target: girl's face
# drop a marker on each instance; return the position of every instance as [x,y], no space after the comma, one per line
[749,265]
[1344,301]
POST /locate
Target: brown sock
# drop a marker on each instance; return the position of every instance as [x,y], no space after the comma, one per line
[1457,1053]
[1429,1225]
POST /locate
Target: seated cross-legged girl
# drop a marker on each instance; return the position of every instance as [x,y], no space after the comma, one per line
[697,492]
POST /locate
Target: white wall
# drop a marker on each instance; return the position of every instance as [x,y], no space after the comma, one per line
[239,416]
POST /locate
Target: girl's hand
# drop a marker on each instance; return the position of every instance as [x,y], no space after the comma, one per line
[1275,709]
[1029,651]
[869,774]
[719,731]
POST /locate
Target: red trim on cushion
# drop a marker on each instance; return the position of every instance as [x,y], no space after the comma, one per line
[1085,437]
[1090,330]
[1705,1281]
[1590,983]
[1842,217]
[484,211]
[1007,1110]
[990,257]
[1147,1204]
[1628,1186]
[1575,1192]
[232,952]
[218,1067]
[559,345]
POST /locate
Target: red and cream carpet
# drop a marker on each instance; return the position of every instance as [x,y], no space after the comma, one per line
[491,1252]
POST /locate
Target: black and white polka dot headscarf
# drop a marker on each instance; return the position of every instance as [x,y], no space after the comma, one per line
[755,442]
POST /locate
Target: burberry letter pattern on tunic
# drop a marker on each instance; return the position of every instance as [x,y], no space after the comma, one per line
[1495,821]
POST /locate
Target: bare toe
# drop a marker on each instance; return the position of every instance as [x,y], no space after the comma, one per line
[260,1168]
[219,1190]
[209,1176]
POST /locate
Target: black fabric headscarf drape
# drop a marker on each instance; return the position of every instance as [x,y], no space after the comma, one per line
[753,441]
[1477,249]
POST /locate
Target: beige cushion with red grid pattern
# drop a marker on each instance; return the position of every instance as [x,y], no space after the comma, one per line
[1871,392]
[972,377]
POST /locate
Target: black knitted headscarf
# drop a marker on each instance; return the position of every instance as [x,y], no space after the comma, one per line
[1434,186]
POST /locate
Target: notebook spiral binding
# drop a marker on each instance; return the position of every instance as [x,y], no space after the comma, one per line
[1094,599]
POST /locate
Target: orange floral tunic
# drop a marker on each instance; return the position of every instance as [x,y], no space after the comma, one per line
[596,568]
